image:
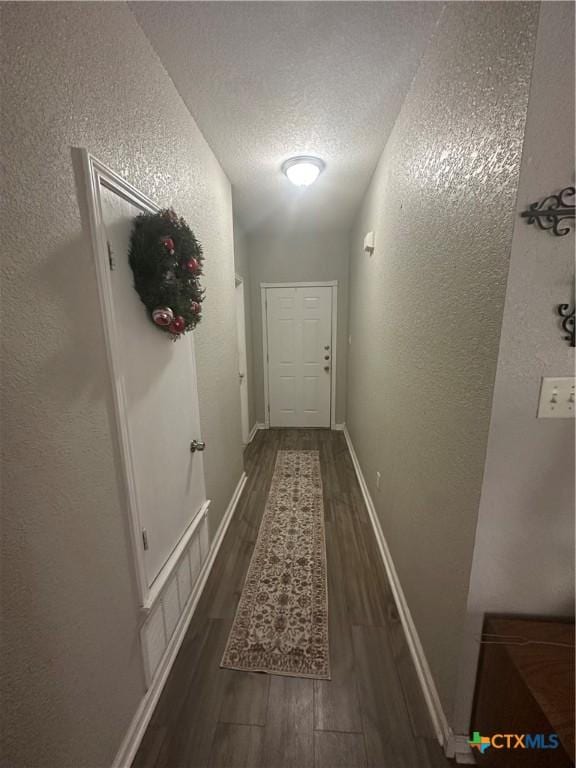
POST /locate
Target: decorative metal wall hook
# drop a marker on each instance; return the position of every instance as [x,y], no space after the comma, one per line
[567,313]
[552,210]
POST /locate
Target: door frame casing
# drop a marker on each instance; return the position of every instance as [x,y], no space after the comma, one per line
[334,341]
[95,172]
[239,281]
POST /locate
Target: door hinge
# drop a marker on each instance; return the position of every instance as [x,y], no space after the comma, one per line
[145,538]
[110,257]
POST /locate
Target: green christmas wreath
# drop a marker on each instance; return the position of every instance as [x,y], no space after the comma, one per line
[166,260]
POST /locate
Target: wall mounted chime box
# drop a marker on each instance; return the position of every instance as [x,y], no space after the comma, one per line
[369,243]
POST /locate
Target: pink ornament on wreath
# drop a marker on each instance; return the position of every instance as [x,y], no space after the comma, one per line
[168,243]
[192,265]
[163,316]
[195,307]
[177,325]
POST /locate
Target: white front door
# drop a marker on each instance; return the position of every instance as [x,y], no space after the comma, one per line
[242,366]
[299,331]
[158,381]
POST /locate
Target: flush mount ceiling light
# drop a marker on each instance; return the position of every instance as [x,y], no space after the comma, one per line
[303,170]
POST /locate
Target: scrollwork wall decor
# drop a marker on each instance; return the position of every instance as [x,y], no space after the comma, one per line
[566,311]
[550,212]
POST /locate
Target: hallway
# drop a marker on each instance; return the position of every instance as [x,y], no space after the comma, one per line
[237,228]
[370,714]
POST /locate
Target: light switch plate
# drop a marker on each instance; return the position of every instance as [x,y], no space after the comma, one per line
[557,398]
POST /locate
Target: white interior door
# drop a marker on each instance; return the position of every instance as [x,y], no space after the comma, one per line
[299,331]
[242,366]
[157,379]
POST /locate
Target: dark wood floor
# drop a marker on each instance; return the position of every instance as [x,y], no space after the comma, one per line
[370,714]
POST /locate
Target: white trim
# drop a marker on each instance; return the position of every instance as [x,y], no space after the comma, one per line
[333,341]
[323,284]
[457,748]
[167,569]
[339,427]
[244,381]
[457,744]
[170,577]
[135,733]
[228,515]
[265,355]
[94,173]
[334,352]
[259,425]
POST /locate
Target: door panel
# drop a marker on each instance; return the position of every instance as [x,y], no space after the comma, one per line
[299,325]
[311,341]
[310,393]
[158,379]
[286,342]
[287,394]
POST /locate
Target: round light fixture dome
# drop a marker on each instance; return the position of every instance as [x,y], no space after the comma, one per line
[303,170]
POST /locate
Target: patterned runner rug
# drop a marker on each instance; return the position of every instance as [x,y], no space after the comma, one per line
[281,624]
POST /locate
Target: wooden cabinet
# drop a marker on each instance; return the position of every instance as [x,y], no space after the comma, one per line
[525,685]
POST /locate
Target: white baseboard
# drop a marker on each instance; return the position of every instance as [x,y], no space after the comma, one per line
[459,749]
[252,434]
[458,745]
[260,425]
[223,527]
[137,728]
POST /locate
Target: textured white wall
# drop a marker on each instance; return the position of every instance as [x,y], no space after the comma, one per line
[524,549]
[242,267]
[426,308]
[85,75]
[293,256]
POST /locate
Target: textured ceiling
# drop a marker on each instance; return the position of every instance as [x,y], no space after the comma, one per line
[268,80]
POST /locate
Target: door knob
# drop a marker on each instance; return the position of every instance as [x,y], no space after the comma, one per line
[327,347]
[326,357]
[197,445]
[241,375]
[326,367]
